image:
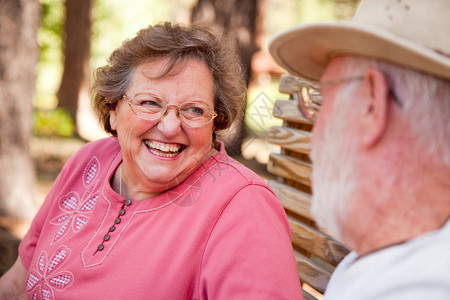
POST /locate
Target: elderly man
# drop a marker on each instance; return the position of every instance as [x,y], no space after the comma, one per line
[381,143]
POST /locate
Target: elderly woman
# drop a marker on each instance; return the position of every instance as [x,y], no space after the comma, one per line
[159,211]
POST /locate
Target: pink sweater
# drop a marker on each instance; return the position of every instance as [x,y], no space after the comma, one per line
[221,234]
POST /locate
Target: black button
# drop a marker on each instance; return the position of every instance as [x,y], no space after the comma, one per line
[112,228]
[100,247]
[117,221]
[106,237]
[127,201]
[122,212]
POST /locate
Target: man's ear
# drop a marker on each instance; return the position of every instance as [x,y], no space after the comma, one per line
[374,115]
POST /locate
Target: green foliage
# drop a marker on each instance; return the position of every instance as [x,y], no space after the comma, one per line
[50,39]
[50,33]
[53,123]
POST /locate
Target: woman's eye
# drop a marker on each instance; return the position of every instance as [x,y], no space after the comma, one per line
[196,110]
[150,103]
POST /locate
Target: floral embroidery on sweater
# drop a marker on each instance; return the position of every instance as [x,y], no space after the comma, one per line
[75,211]
[46,277]
[91,171]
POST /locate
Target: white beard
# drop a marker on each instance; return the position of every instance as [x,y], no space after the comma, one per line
[334,175]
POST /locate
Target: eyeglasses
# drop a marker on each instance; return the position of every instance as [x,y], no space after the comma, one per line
[151,107]
[309,97]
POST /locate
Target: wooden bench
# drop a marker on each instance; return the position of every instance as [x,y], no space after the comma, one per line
[316,252]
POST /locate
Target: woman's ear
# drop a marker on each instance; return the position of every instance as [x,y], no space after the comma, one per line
[113,118]
[375,111]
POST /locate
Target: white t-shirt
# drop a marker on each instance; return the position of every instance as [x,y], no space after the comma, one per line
[417,269]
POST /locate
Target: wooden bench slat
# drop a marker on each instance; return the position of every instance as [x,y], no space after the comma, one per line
[287,110]
[317,243]
[311,273]
[289,84]
[289,167]
[292,139]
[292,199]
[308,296]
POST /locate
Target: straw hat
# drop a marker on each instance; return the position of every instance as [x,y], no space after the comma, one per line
[411,33]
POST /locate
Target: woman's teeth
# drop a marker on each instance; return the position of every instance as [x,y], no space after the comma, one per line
[164,150]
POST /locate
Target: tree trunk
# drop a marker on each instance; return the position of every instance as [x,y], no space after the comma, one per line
[75,80]
[240,21]
[19,21]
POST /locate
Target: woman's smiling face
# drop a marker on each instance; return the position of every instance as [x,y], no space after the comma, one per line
[160,154]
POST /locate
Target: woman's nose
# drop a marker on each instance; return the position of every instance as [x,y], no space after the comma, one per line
[170,123]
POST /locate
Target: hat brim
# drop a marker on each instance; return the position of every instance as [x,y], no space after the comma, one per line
[306,50]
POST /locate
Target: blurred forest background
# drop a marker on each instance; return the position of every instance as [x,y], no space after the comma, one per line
[49,48]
